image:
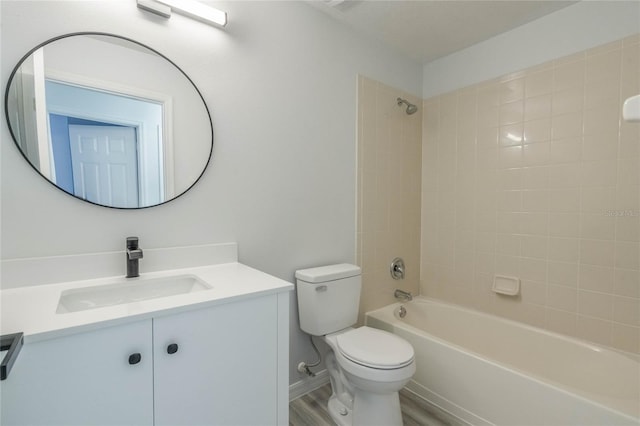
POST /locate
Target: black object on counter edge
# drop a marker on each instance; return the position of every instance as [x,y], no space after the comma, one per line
[12,343]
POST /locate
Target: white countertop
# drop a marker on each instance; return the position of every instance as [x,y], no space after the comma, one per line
[32,310]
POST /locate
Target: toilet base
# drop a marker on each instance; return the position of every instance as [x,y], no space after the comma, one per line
[337,410]
[373,409]
[369,409]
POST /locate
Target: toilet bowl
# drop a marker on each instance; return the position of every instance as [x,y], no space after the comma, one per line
[375,359]
[373,365]
[367,367]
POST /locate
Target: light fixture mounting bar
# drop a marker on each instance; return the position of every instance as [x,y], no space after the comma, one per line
[155,7]
[198,11]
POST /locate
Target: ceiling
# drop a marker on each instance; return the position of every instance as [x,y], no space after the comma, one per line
[425,30]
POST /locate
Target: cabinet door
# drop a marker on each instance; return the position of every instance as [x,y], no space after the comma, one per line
[82,379]
[224,368]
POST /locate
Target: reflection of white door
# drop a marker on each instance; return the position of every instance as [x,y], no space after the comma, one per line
[105,164]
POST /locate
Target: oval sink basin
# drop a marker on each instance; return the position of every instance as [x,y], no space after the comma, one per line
[127,291]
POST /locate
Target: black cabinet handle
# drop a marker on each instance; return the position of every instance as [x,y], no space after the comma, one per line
[135,358]
[172,348]
[12,343]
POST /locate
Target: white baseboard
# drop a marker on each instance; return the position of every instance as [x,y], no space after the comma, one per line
[303,387]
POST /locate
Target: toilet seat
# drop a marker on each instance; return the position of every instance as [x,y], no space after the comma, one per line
[375,348]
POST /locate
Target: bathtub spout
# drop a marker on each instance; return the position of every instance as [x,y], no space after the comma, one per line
[405,296]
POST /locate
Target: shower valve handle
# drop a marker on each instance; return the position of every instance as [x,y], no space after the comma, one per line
[397,269]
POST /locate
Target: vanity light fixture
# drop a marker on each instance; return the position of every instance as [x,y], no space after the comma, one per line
[191,8]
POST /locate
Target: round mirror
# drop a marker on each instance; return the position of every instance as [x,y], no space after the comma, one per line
[109,120]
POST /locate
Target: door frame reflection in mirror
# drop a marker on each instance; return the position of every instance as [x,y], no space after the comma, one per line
[124,106]
[98,85]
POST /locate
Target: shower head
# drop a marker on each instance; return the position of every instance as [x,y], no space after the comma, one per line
[411,108]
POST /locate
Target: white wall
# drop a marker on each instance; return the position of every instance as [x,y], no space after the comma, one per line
[575,28]
[280,82]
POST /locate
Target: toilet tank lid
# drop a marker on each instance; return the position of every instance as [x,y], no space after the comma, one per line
[328,273]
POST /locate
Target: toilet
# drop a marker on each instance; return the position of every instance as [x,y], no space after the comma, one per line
[367,367]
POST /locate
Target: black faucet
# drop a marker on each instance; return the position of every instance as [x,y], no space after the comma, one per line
[134,253]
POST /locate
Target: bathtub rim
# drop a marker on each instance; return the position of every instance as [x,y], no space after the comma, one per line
[581,342]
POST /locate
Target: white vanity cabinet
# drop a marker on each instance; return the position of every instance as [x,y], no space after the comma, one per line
[225,369]
[219,365]
[83,379]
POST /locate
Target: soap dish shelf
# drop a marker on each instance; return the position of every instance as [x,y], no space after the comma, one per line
[509,286]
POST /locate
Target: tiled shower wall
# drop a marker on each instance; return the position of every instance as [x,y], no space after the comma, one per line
[389,170]
[535,175]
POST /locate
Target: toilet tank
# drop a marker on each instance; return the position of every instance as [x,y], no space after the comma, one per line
[328,298]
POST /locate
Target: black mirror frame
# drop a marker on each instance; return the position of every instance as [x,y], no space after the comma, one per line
[94,33]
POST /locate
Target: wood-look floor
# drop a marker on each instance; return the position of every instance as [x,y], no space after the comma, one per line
[311,410]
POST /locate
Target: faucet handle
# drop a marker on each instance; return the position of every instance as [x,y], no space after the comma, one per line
[132,243]
[397,269]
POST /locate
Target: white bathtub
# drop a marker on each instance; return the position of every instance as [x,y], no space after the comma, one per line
[487,370]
